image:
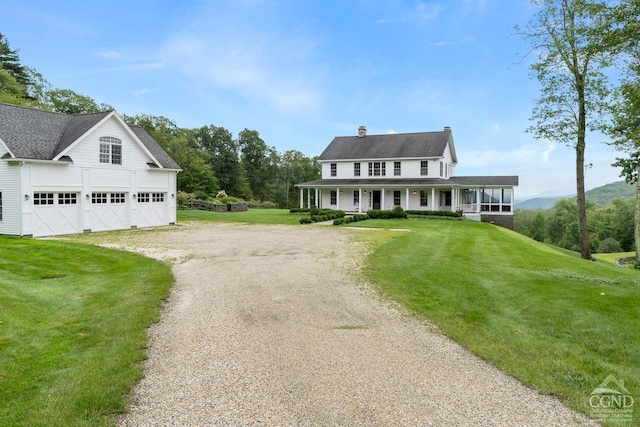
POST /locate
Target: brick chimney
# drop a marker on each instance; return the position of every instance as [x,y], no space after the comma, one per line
[362,131]
[447,129]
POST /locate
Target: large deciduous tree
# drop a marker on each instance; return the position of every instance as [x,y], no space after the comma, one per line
[223,152]
[625,127]
[260,163]
[566,36]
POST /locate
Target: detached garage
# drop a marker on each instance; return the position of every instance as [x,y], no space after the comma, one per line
[64,174]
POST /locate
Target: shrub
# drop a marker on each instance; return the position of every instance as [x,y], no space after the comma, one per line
[609,245]
[305,220]
[298,210]
[434,213]
[182,198]
[397,212]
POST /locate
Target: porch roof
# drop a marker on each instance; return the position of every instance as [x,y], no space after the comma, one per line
[456,181]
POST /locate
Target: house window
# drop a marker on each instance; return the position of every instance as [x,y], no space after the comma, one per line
[496,199]
[99,198]
[423,198]
[396,168]
[334,197]
[396,198]
[157,197]
[143,197]
[377,168]
[334,169]
[441,167]
[424,167]
[42,198]
[356,169]
[117,198]
[356,197]
[67,198]
[110,150]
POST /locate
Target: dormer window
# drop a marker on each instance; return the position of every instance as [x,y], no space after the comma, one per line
[110,150]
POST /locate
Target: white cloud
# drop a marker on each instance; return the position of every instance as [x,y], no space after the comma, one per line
[546,154]
[428,12]
[261,68]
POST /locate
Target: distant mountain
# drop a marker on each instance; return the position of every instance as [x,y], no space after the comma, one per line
[539,203]
[600,196]
[616,190]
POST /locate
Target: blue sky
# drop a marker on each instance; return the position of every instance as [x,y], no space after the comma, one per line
[303,71]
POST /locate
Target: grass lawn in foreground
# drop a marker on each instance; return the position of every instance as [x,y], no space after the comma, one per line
[556,322]
[251,216]
[73,328]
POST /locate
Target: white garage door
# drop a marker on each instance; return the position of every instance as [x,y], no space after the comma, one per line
[56,213]
[109,211]
[152,209]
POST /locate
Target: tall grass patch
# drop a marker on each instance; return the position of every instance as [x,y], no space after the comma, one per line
[73,322]
[555,322]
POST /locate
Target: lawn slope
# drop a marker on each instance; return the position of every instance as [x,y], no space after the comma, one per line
[555,322]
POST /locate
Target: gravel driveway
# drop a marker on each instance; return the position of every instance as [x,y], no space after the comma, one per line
[270,326]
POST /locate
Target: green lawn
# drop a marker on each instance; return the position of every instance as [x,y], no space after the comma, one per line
[73,316]
[554,321]
[251,216]
[73,322]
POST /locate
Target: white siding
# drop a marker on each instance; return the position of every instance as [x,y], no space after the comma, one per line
[86,152]
[11,197]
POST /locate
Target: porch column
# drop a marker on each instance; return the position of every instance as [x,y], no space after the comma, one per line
[433,200]
[382,199]
[454,198]
[360,200]
[406,198]
[337,199]
[317,200]
[308,198]
[301,197]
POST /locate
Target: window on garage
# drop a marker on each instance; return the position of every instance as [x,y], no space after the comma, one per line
[157,197]
[67,198]
[99,198]
[117,198]
[42,198]
[143,197]
[110,150]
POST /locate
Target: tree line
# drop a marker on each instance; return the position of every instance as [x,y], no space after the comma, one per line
[611,227]
[211,158]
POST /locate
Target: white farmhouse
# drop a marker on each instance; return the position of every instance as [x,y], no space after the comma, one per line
[64,174]
[416,171]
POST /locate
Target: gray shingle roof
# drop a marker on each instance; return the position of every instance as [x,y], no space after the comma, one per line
[154,148]
[42,135]
[391,146]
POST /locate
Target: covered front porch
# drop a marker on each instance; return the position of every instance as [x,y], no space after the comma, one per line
[443,198]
